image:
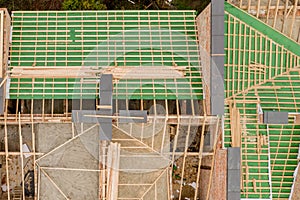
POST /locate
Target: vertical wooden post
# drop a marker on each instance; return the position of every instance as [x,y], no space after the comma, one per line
[6,153]
[21,154]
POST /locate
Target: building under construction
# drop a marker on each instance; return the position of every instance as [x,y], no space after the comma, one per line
[151,105]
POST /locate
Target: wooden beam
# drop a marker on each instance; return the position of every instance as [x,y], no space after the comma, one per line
[1,42]
[212,161]
[184,158]
[268,11]
[6,154]
[293,18]
[276,11]
[3,81]
[235,126]
[254,184]
[200,158]
[286,13]
[22,157]
[102,168]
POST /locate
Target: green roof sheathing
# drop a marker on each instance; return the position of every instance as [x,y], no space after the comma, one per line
[102,39]
[262,74]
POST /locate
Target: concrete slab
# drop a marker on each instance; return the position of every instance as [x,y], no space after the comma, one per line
[75,184]
[49,136]
[73,154]
[48,190]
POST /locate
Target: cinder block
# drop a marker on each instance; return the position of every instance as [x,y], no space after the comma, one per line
[233,180]
[217,7]
[217,25]
[233,196]
[234,158]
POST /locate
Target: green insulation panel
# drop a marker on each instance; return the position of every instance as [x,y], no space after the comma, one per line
[104,39]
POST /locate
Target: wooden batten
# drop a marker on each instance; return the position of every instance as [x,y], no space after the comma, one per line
[247,177]
[235,126]
[259,144]
[109,161]
[254,184]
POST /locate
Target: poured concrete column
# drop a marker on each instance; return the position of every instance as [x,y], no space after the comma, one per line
[217,58]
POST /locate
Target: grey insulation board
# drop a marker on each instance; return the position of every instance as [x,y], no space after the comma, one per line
[276,117]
